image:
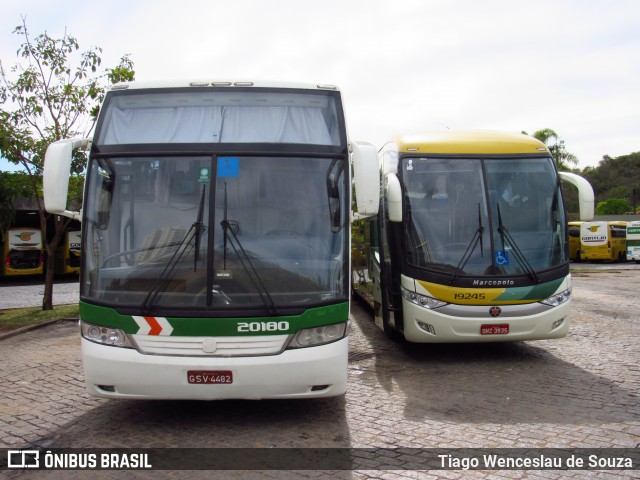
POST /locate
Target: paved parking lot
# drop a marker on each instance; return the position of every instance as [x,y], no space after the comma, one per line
[29,292]
[582,391]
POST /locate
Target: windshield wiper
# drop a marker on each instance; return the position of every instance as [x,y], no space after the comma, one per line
[199,228]
[520,257]
[477,238]
[231,226]
[165,275]
[195,232]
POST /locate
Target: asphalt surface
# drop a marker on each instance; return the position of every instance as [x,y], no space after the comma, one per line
[29,292]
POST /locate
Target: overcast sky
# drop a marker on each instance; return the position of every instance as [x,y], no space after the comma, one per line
[402,65]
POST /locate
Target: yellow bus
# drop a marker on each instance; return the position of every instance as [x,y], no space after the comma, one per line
[603,241]
[470,243]
[574,241]
[68,254]
[22,252]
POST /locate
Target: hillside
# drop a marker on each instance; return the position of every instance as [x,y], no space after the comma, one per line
[616,178]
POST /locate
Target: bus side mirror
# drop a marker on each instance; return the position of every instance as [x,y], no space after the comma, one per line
[55,178]
[366,179]
[586,198]
[394,198]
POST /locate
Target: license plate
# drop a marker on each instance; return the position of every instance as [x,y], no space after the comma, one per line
[209,377]
[501,329]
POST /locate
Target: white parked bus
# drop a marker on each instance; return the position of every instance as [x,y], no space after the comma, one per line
[633,241]
[470,244]
[216,240]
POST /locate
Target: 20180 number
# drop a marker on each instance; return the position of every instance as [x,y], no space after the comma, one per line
[245,327]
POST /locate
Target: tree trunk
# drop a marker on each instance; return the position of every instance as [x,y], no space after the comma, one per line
[60,224]
[49,272]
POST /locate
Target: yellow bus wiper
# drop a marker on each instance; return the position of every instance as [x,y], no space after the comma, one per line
[477,238]
[520,257]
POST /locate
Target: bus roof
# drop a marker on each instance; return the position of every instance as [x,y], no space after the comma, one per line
[220,84]
[469,142]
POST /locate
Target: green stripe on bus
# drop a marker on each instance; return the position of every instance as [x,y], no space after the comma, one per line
[534,292]
[313,317]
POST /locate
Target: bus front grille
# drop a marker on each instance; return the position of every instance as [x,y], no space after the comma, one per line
[210,346]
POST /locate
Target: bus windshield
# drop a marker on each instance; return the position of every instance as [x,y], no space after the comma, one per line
[483,217]
[231,232]
[203,116]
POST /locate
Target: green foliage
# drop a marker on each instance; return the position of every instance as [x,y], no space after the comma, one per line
[52,94]
[15,318]
[13,185]
[613,206]
[563,159]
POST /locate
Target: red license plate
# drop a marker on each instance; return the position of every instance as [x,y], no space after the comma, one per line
[209,377]
[501,329]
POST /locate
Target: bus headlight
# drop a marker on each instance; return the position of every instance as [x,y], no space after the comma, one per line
[311,337]
[104,335]
[558,298]
[421,300]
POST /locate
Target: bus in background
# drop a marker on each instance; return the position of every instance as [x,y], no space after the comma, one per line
[470,243]
[216,240]
[22,248]
[633,241]
[574,241]
[603,241]
[68,254]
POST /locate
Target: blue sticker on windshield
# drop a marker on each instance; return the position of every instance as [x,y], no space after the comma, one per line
[228,167]
[502,258]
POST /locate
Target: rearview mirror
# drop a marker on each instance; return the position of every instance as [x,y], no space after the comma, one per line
[366,179]
[586,197]
[55,178]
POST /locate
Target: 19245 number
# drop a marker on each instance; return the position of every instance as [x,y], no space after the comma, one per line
[469,296]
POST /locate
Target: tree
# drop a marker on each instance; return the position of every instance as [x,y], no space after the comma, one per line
[54,93]
[613,206]
[563,159]
[13,185]
[617,177]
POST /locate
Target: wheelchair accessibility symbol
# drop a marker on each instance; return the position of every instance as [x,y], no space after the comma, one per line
[502,258]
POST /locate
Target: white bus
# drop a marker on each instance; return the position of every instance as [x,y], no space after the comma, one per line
[470,244]
[216,240]
[633,241]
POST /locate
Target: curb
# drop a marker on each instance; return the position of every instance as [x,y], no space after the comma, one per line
[37,326]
